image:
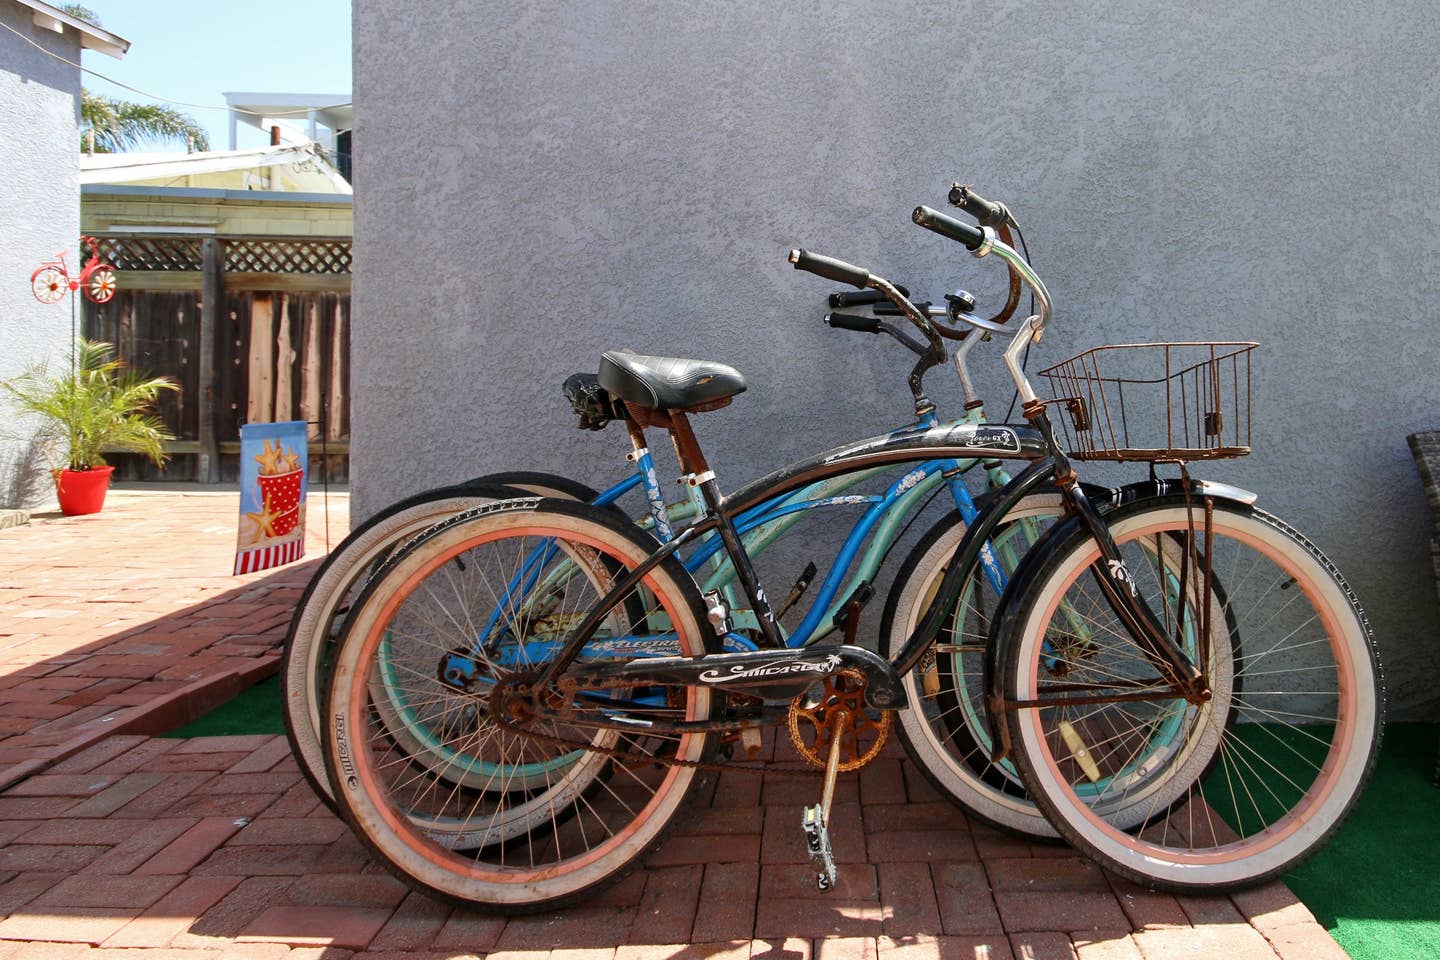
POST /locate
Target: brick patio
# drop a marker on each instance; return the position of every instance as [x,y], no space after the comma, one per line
[115,844]
[128,620]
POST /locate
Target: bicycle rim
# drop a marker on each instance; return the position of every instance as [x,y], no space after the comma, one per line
[1270,766]
[949,730]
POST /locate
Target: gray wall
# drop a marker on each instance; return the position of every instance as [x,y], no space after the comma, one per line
[549,180]
[40,215]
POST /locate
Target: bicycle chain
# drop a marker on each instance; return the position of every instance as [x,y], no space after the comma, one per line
[497,715]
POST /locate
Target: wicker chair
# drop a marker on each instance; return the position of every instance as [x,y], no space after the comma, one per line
[1425,448]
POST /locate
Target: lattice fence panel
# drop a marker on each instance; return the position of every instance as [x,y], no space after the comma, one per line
[167,254]
[287,256]
[151,253]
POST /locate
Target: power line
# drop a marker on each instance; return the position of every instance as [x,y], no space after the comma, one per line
[300,112]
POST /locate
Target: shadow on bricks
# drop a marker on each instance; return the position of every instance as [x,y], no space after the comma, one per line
[129,622]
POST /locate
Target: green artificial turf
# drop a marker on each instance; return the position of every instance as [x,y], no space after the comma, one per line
[256,710]
[1376,885]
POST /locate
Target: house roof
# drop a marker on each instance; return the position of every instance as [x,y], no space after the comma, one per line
[331,109]
[91,36]
[113,168]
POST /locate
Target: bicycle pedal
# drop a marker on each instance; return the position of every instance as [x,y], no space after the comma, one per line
[817,843]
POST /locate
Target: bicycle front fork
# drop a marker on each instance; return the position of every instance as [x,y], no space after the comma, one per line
[1118,585]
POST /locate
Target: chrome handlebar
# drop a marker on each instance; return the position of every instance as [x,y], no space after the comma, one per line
[1031,330]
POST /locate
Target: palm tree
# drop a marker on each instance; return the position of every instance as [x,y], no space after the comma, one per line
[108,125]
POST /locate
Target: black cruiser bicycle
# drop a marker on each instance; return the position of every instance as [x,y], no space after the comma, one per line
[1184,684]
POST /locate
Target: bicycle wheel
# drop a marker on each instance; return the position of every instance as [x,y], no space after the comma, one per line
[504,583]
[1263,791]
[944,731]
[339,579]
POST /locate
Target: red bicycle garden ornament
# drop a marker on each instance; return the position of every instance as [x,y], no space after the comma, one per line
[52,279]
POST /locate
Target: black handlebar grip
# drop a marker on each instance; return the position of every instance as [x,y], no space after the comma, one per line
[850,321]
[860,298]
[830,268]
[890,310]
[934,220]
[988,213]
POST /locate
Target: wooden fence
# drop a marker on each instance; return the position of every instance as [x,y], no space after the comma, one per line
[275,348]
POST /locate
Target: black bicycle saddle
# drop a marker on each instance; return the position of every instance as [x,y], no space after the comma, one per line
[668,383]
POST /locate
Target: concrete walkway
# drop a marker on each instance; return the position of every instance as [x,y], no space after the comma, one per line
[115,844]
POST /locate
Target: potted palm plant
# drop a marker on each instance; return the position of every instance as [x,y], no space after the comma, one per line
[98,407]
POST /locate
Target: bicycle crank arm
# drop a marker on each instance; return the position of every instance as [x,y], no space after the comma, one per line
[775,676]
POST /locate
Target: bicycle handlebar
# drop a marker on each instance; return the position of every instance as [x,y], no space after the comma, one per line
[987,212]
[860,298]
[831,269]
[1033,327]
[851,321]
[861,324]
[972,237]
[842,272]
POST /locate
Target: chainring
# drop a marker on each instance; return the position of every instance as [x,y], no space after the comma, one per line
[814,716]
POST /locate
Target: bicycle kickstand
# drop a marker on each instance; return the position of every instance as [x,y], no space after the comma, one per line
[815,820]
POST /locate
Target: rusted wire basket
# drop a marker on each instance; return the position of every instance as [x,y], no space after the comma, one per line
[1154,401]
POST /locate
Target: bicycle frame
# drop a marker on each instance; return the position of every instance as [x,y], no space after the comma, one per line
[782,497]
[775,676]
[927,446]
[764,523]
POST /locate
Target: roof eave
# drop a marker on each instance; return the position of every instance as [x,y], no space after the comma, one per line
[91,36]
[150,168]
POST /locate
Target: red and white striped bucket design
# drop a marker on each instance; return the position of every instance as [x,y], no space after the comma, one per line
[263,558]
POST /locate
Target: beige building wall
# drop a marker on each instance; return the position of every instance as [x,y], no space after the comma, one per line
[124,208]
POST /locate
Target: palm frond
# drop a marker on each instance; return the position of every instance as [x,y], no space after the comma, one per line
[119,125]
[99,407]
[81,12]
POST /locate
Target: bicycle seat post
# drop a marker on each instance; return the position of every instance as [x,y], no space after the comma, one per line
[640,456]
[698,474]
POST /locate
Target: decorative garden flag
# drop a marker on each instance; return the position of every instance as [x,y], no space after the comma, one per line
[273,466]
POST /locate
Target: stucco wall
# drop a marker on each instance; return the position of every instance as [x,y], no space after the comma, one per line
[40,215]
[566,178]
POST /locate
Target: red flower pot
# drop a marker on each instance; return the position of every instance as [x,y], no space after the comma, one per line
[82,491]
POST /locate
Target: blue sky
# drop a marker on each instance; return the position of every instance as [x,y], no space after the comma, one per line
[184,50]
